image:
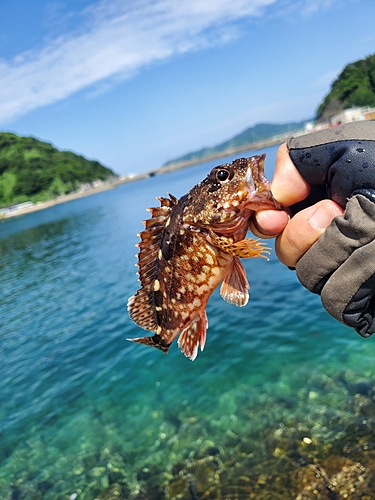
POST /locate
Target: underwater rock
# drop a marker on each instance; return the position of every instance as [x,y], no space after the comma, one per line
[192,480]
[16,494]
[364,388]
[114,492]
[44,486]
[213,450]
[144,474]
[97,471]
[350,482]
[363,405]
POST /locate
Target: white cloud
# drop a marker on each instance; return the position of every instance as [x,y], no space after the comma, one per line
[115,40]
[311,6]
[306,7]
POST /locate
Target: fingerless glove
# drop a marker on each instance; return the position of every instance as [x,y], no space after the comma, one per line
[339,164]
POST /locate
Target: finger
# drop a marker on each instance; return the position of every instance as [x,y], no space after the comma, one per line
[288,186]
[304,229]
[268,223]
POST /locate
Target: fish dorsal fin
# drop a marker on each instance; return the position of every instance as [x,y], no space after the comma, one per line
[141,306]
[235,287]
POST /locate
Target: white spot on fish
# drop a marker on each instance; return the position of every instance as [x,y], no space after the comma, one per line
[201,277]
[209,259]
[156,285]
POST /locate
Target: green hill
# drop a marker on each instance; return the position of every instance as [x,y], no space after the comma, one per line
[252,134]
[36,171]
[355,86]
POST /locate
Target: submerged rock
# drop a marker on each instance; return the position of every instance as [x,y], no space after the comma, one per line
[348,483]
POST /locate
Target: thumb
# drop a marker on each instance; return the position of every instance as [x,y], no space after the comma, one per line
[304,229]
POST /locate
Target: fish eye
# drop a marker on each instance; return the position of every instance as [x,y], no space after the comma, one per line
[221,174]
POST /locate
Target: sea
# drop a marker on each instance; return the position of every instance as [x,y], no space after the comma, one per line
[281,388]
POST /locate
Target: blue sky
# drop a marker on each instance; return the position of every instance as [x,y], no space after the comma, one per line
[134,83]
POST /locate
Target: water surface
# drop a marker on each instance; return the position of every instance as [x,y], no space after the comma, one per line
[86,414]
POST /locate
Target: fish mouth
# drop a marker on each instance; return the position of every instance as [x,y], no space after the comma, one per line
[260,196]
[236,223]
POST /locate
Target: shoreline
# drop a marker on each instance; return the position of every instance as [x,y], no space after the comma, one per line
[42,205]
[271,141]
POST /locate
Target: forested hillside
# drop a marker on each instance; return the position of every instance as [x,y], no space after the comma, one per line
[355,86]
[36,171]
[252,134]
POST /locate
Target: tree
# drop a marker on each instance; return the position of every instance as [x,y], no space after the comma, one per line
[29,168]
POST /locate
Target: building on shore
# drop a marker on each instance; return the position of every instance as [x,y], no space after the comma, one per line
[352,115]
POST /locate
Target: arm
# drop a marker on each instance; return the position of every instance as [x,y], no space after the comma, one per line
[320,176]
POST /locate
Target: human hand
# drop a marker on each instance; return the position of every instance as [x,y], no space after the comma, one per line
[319,176]
[299,233]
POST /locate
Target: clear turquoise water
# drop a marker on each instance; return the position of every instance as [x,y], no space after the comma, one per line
[84,412]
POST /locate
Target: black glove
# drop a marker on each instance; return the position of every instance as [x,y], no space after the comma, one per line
[339,163]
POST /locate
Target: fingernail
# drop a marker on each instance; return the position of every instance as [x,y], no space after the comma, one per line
[321,218]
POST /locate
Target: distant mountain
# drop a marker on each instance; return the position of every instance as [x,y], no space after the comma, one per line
[252,134]
[355,86]
[36,171]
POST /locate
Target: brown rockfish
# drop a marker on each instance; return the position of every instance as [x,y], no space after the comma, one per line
[192,244]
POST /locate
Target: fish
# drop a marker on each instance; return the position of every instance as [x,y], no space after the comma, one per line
[191,245]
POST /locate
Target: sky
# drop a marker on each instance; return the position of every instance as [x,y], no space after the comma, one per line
[135,83]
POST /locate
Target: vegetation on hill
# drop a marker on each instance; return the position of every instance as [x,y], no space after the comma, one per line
[355,86]
[36,171]
[252,134]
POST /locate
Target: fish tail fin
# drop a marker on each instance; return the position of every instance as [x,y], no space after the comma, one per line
[154,341]
[193,335]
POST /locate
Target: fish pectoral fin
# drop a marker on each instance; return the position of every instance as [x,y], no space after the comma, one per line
[245,249]
[193,335]
[235,287]
[153,341]
[249,248]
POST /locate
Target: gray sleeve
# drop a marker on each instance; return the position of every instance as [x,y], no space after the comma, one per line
[339,164]
[340,266]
